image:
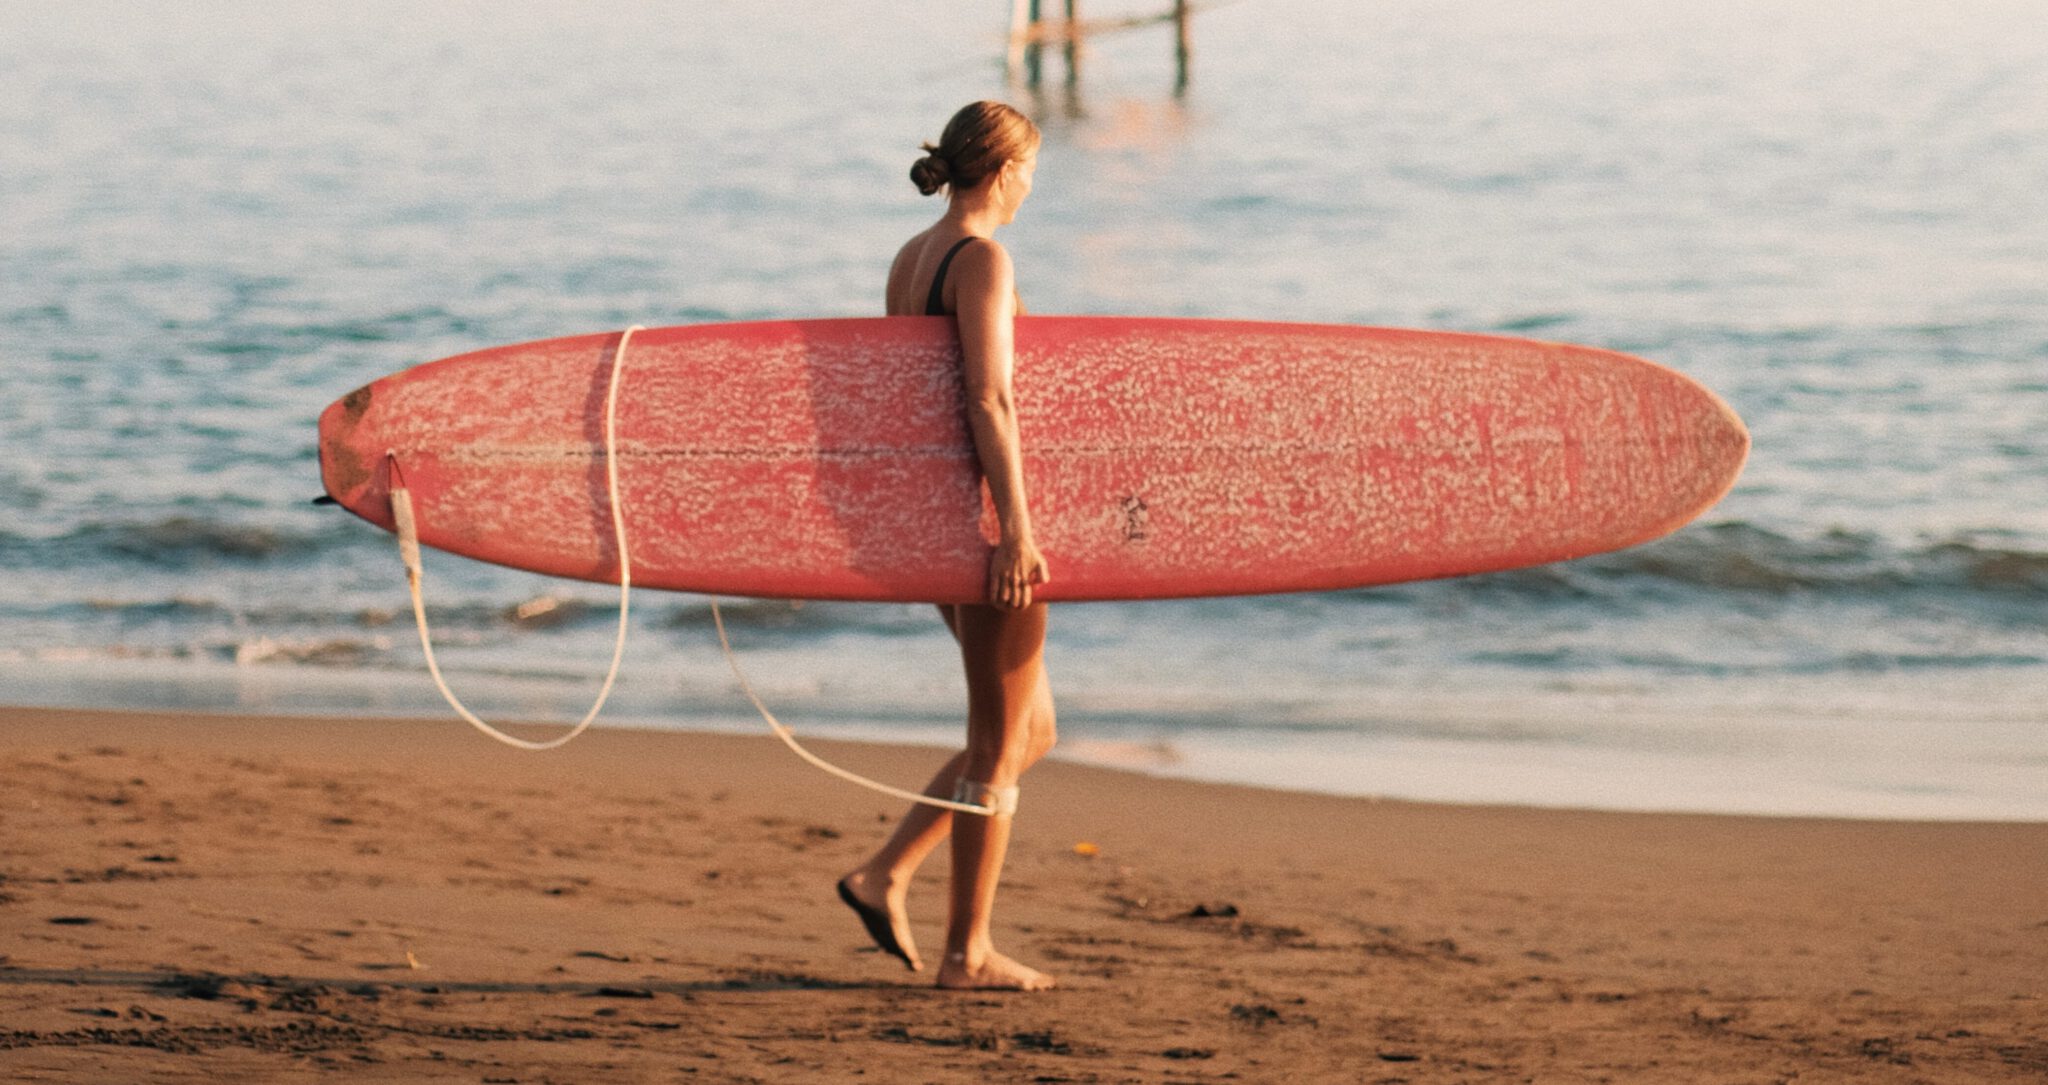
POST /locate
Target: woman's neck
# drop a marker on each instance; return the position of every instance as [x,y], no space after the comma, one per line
[973,213]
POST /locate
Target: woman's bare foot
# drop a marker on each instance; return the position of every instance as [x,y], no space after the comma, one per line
[994,972]
[882,911]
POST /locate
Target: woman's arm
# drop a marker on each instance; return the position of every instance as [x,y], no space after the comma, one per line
[985,306]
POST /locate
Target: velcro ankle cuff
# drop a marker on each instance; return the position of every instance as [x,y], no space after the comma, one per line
[997,800]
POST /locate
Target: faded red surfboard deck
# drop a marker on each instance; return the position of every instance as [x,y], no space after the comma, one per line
[830,459]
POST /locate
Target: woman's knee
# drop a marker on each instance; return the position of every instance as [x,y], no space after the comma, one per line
[999,759]
[1044,734]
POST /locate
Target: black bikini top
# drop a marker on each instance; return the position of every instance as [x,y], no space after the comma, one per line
[935,305]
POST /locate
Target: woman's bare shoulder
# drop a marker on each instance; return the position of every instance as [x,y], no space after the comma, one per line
[984,284]
[985,260]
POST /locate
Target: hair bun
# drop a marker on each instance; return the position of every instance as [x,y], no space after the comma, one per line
[931,172]
[979,139]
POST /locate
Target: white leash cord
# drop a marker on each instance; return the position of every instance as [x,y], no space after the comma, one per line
[789,739]
[409,552]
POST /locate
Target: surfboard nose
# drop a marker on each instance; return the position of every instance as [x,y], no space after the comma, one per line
[1725,445]
[349,463]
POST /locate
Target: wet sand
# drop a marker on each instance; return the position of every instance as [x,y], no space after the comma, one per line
[191,898]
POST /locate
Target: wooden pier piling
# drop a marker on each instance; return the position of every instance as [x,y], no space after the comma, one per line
[1031,31]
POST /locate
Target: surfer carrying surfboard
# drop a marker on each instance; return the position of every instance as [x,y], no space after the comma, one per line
[984,161]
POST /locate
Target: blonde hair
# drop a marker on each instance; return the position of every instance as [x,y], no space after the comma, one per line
[976,143]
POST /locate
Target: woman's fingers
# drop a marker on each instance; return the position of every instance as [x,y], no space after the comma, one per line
[1012,575]
[1000,585]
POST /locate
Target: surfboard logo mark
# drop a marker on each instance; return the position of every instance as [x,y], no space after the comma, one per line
[1134,518]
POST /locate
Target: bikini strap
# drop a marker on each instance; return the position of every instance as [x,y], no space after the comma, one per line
[935,305]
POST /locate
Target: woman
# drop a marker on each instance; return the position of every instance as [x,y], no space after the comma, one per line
[985,161]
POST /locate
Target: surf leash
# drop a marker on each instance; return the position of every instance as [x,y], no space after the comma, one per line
[994,806]
[407,524]
[409,552]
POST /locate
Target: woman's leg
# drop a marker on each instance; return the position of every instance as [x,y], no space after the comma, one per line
[1004,655]
[878,889]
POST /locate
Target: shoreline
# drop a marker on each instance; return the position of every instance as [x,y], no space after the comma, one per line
[1714,749]
[194,897]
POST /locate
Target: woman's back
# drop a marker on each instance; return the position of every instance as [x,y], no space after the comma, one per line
[925,279]
[922,274]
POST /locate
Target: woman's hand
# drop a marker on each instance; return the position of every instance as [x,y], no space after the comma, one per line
[1013,569]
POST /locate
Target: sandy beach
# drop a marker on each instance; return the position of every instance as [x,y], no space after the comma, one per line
[191,898]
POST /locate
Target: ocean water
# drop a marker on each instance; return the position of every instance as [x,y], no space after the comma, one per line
[216,219]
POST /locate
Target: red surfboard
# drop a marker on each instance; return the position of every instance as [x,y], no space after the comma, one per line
[830,459]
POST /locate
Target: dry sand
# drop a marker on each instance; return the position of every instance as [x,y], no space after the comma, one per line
[236,899]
